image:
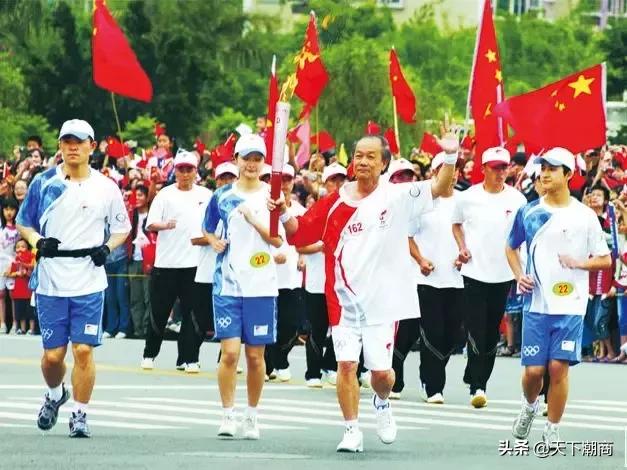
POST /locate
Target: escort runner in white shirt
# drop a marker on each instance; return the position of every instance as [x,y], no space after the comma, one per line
[65,214]
[482,219]
[369,281]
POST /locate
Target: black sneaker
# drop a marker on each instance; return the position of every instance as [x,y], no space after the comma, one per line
[78,425]
[49,411]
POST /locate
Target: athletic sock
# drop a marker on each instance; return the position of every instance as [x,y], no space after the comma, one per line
[379,402]
[351,424]
[228,411]
[79,407]
[55,393]
[251,412]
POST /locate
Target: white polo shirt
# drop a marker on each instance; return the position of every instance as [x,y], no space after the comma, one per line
[174,247]
[289,277]
[487,219]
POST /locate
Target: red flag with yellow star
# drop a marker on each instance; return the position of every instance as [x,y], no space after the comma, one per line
[401,91]
[569,113]
[115,66]
[311,75]
[486,90]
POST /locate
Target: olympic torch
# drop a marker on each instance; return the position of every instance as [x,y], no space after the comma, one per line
[281,120]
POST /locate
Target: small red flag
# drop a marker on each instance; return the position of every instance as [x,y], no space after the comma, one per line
[569,113]
[273,99]
[116,149]
[159,129]
[486,90]
[390,136]
[325,140]
[115,66]
[430,144]
[224,152]
[401,91]
[311,75]
[372,128]
[199,146]
[468,142]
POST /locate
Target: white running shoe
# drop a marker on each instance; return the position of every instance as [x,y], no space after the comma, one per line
[353,441]
[192,368]
[284,375]
[479,400]
[386,426]
[148,363]
[181,366]
[395,396]
[313,383]
[240,369]
[522,424]
[330,377]
[623,348]
[120,335]
[3,329]
[422,392]
[106,335]
[228,428]
[250,428]
[436,399]
[551,435]
[365,379]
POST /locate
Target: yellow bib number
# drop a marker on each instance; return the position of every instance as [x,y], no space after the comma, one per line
[259,260]
[562,289]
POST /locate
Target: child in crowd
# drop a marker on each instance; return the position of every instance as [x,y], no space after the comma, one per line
[8,237]
[20,270]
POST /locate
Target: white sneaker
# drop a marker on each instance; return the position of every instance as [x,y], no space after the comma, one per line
[120,335]
[148,363]
[479,400]
[250,428]
[395,396]
[284,375]
[623,348]
[240,369]
[353,441]
[522,425]
[181,366]
[365,379]
[313,383]
[386,426]
[228,428]
[330,377]
[551,435]
[3,329]
[422,392]
[106,335]
[436,399]
[192,368]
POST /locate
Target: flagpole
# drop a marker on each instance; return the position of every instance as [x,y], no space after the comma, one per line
[317,133]
[115,113]
[398,138]
[481,5]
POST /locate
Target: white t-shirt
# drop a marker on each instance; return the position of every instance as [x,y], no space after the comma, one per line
[289,277]
[78,218]
[174,248]
[207,257]
[550,231]
[8,238]
[487,219]
[370,277]
[434,237]
[140,238]
[246,268]
[314,275]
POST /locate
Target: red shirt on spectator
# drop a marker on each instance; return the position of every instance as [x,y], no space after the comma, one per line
[23,263]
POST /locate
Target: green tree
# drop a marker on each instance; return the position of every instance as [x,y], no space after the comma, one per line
[614,45]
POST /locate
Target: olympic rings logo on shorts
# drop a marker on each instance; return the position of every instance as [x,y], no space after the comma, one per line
[46,333]
[530,350]
[224,322]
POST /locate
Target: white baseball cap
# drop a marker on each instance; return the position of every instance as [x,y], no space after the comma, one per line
[288,170]
[250,143]
[398,165]
[332,170]
[557,156]
[226,167]
[185,158]
[266,170]
[78,128]
[495,156]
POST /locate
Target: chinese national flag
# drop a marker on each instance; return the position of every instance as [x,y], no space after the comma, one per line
[116,149]
[224,152]
[311,75]
[401,91]
[390,136]
[324,139]
[273,99]
[486,90]
[372,128]
[430,144]
[115,66]
[569,113]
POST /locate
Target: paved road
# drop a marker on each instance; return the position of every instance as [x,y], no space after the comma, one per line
[164,418]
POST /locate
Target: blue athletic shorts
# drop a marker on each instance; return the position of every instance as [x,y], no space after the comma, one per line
[546,337]
[252,319]
[76,319]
